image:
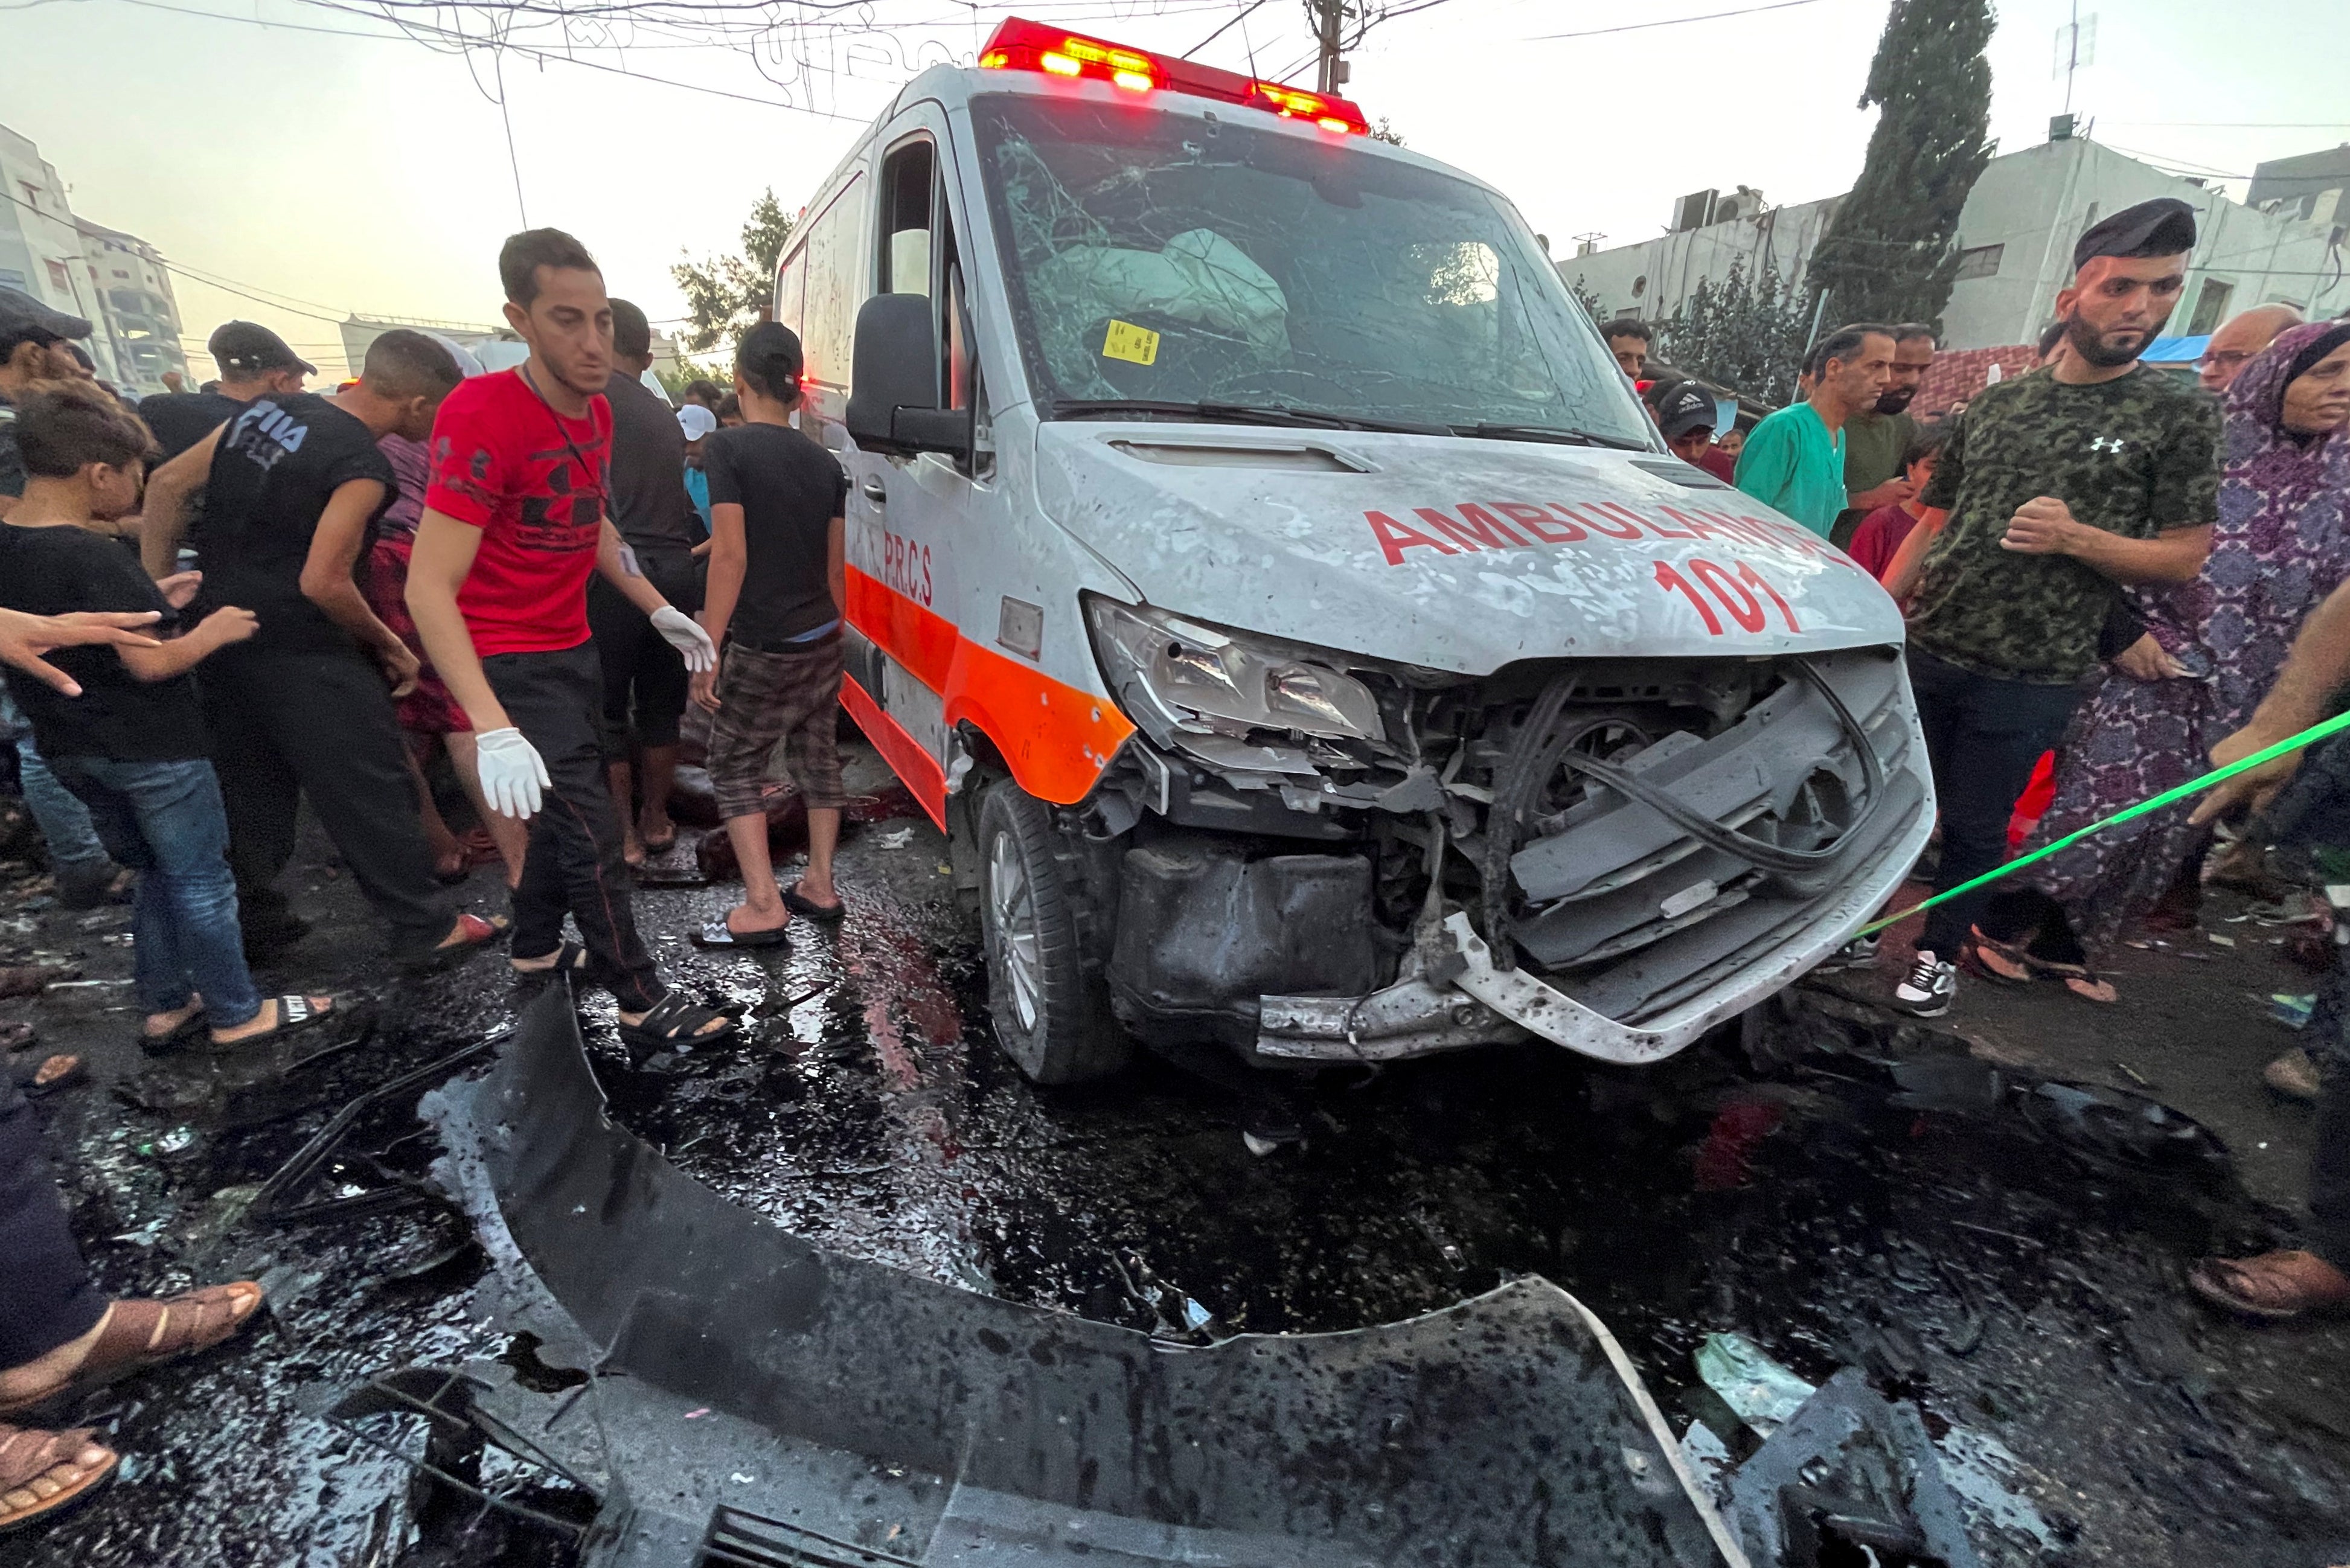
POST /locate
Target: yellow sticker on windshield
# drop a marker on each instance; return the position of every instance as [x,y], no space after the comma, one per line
[1137,345]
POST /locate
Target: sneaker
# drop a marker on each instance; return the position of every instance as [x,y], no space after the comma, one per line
[1858,953]
[1928,990]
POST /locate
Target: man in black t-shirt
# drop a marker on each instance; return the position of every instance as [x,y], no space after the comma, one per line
[644,677]
[294,485]
[254,362]
[777,573]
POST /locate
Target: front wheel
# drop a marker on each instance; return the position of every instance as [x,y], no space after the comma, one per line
[1052,1013]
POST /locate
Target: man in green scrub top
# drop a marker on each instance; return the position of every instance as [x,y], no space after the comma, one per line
[1794,460]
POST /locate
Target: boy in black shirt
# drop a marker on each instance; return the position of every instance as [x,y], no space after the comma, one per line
[776,571]
[292,487]
[131,746]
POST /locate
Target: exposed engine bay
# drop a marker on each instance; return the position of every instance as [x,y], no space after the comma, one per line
[1312,859]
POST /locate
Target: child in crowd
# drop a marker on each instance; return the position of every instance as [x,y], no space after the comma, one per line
[776,588]
[133,746]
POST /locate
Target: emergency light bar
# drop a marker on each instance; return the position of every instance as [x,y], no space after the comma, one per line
[1019,45]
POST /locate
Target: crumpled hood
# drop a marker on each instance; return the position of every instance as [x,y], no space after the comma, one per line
[1453,554]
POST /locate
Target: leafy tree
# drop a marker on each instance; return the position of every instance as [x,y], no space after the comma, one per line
[1384,131]
[1743,333]
[725,296]
[1890,253]
[1587,297]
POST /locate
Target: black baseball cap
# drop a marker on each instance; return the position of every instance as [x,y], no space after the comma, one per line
[24,319]
[247,348]
[2162,227]
[1684,407]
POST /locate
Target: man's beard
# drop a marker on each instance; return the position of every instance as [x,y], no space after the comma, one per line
[1894,400]
[2091,346]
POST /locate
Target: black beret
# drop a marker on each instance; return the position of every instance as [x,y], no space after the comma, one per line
[2162,227]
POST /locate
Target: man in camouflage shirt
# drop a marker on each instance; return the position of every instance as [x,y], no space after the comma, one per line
[2056,486]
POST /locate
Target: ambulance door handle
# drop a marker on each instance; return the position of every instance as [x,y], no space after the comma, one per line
[875,491]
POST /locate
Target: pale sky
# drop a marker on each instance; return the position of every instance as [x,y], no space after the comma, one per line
[339,174]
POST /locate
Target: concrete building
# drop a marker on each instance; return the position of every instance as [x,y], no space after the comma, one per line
[2015,244]
[137,312]
[115,281]
[2314,187]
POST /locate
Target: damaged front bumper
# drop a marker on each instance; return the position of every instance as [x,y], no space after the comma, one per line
[1683,887]
[744,1386]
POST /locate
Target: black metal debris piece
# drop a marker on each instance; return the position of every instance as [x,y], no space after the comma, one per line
[1850,1471]
[841,1404]
[276,1200]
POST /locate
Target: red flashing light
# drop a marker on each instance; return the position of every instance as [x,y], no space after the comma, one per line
[1020,45]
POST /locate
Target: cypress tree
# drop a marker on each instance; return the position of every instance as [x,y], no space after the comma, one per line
[1890,252]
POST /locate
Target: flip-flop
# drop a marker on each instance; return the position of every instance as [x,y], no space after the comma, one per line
[2223,1282]
[717,934]
[183,1034]
[800,903]
[479,934]
[58,1070]
[295,1014]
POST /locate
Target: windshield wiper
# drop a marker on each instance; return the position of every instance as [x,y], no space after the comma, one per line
[1240,413]
[1563,437]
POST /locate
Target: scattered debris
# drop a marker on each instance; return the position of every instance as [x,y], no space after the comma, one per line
[896,838]
[1760,1391]
[2291,1011]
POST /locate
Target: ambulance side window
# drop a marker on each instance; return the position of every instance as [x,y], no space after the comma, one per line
[919,255]
[791,283]
[834,288]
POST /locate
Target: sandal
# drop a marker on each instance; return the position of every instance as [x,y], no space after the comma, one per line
[2272,1287]
[570,958]
[473,934]
[800,903]
[141,1336]
[294,1013]
[42,1474]
[673,1021]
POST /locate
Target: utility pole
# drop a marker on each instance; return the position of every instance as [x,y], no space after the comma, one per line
[1329,24]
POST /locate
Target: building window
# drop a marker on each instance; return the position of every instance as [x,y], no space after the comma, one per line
[1639,285]
[59,277]
[32,193]
[2210,306]
[1981,262]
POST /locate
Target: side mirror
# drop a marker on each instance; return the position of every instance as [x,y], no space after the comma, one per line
[893,403]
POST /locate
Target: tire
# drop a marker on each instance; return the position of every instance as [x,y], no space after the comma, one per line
[1051,1009]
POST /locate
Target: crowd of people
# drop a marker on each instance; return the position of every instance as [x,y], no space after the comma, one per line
[224,603]
[2104,569]
[221,604]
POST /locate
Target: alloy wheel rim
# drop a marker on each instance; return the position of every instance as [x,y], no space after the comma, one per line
[1013,904]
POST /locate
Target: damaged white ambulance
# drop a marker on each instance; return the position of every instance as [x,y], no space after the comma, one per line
[1262,572]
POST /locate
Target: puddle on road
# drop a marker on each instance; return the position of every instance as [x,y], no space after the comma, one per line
[2019,1281]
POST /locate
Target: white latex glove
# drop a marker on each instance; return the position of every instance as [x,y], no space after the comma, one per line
[512,773]
[678,630]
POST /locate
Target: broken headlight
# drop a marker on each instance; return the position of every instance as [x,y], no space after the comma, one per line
[1177,674]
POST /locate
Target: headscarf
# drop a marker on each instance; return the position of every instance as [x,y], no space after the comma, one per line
[2282,541]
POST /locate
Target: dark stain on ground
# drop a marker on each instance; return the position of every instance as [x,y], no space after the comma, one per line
[1842,1193]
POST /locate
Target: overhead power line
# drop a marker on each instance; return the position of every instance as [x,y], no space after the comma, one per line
[1668,22]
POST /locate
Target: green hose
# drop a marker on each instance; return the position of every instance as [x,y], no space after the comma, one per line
[2315,733]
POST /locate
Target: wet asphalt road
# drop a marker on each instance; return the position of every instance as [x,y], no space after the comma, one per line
[2014,1273]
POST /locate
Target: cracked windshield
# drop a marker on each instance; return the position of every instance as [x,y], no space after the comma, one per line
[1178,258]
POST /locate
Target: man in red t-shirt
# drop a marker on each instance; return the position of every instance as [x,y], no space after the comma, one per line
[515,520]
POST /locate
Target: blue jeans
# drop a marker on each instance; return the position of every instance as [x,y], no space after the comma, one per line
[75,853]
[164,821]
